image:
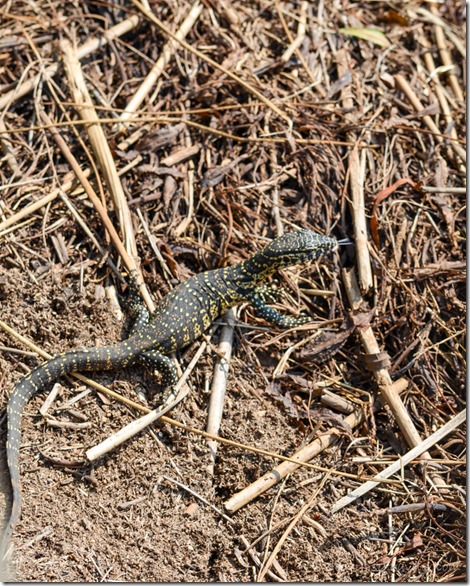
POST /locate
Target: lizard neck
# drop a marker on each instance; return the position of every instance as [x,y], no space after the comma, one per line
[252,272]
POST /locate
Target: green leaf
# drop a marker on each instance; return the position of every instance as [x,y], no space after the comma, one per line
[367,34]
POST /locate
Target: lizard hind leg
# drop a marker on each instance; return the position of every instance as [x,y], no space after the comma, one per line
[152,359]
[155,360]
[136,308]
[140,315]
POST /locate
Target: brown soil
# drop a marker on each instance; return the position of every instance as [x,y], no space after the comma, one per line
[122,518]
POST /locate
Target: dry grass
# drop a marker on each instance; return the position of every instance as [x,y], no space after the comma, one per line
[181,142]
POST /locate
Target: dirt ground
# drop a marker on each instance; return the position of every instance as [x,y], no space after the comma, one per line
[224,160]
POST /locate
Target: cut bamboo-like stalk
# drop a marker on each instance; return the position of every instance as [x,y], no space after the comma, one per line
[219,383]
[356,174]
[99,143]
[433,74]
[37,205]
[441,96]
[128,261]
[301,34]
[358,209]
[211,61]
[89,47]
[403,461]
[382,376]
[137,425]
[305,454]
[161,63]
[418,106]
[445,57]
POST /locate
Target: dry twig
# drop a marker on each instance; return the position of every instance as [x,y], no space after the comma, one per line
[417,451]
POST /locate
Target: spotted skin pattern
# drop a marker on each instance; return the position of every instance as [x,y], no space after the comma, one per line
[184,314]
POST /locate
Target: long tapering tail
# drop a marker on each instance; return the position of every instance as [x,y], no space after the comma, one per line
[106,358]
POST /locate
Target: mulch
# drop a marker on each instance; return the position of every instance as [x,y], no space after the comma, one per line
[125,148]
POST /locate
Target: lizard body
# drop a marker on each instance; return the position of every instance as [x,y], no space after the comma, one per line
[183,315]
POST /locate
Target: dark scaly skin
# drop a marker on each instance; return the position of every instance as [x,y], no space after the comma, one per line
[184,314]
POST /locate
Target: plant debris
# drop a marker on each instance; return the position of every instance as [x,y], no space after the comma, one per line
[203,130]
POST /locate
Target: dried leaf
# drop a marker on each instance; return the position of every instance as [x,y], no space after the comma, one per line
[415,543]
[367,34]
[330,343]
[274,389]
[374,225]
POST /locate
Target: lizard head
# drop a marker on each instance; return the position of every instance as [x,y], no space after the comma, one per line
[298,247]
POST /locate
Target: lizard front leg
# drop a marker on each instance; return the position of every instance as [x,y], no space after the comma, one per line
[273,316]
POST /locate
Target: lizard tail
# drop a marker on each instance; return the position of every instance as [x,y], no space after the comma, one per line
[75,360]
